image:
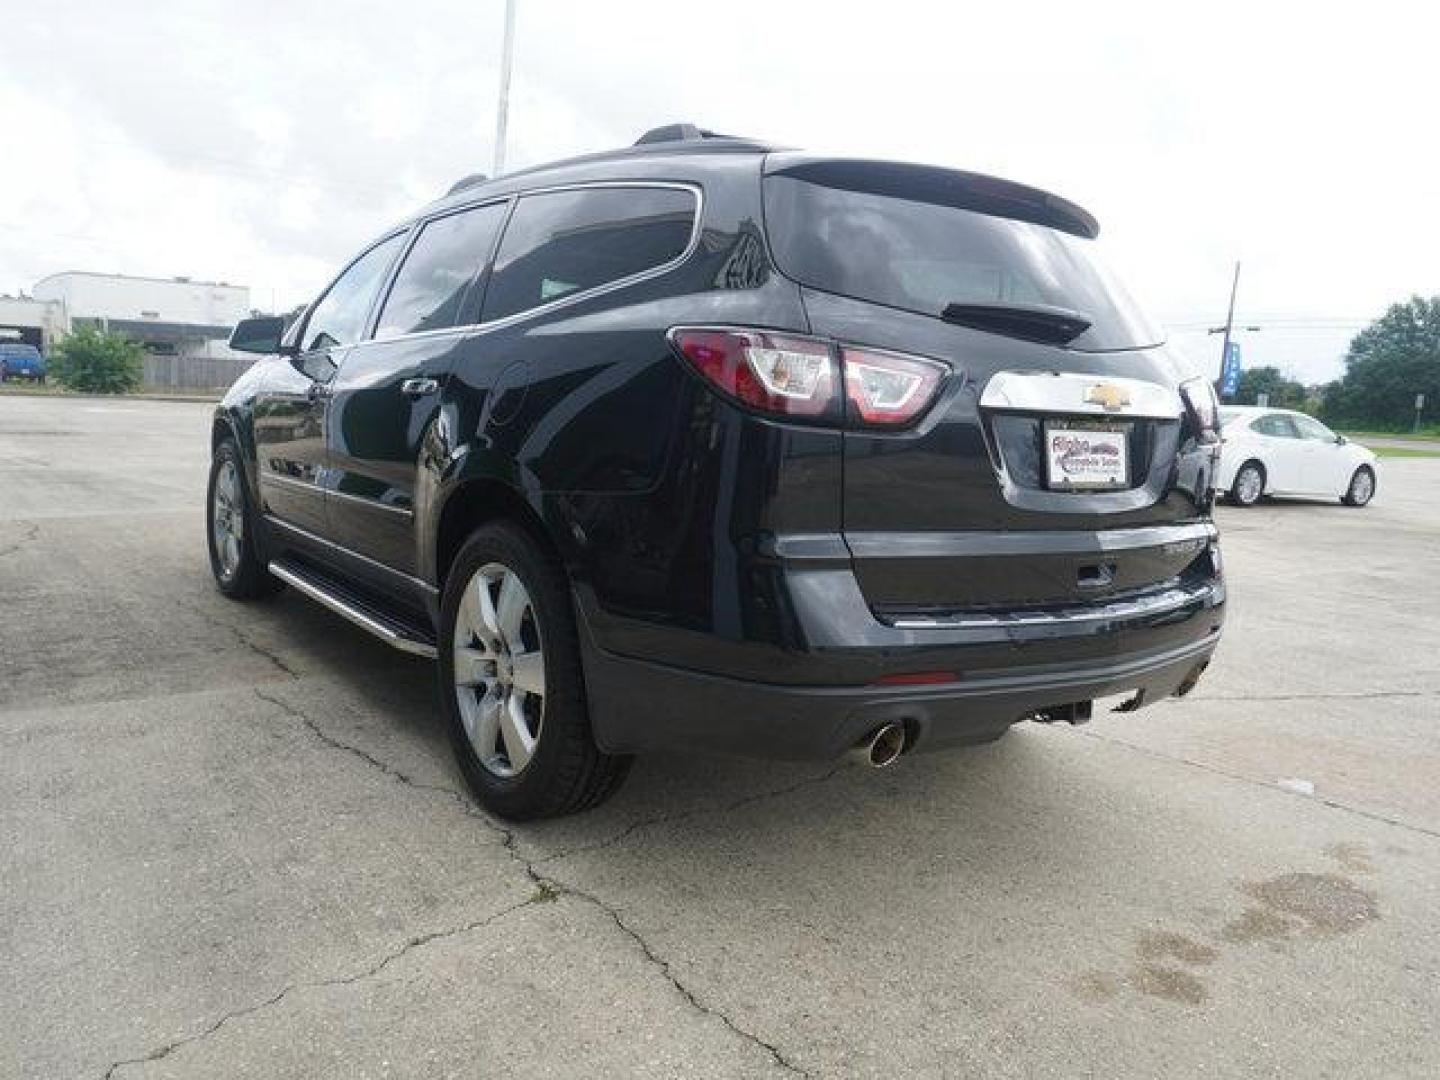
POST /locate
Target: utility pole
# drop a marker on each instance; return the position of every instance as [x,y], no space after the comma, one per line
[1229,321]
[502,112]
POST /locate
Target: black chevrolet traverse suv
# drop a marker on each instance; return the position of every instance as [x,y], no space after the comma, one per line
[709,444]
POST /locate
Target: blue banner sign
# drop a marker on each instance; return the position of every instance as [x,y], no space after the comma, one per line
[1230,376]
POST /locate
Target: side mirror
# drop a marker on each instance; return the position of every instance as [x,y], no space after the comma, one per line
[259,335]
[1340,440]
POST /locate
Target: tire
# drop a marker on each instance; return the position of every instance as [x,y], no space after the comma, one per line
[1249,484]
[1361,488]
[555,767]
[234,555]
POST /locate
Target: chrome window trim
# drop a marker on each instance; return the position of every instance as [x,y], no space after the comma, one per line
[585,294]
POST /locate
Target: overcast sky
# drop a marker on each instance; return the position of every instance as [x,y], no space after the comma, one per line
[262,142]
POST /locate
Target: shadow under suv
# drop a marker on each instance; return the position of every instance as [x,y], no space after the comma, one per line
[713,445]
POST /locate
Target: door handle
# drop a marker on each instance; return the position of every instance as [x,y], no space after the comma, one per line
[418,387]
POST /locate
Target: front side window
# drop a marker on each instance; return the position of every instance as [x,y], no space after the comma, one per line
[1313,429]
[563,242]
[339,316]
[430,285]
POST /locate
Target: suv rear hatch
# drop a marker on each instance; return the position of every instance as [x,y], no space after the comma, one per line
[1044,474]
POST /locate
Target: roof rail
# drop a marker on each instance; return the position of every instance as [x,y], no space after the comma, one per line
[677,133]
[466,182]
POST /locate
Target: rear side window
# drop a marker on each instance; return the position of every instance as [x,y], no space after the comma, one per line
[1277,426]
[338,318]
[922,256]
[564,242]
[431,284]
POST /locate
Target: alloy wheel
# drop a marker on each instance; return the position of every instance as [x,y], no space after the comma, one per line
[1249,484]
[1362,487]
[499,670]
[227,519]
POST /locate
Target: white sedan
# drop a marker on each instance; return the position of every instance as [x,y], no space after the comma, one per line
[1279,452]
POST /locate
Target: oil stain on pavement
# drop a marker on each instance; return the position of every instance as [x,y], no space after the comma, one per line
[1296,905]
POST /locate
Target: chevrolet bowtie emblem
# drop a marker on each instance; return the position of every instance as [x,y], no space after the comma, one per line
[1108,396]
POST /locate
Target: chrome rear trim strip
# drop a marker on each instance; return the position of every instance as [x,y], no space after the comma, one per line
[1138,607]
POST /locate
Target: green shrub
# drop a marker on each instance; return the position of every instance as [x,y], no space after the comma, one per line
[97,362]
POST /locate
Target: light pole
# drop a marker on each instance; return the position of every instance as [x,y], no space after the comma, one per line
[1229,328]
[1229,322]
[502,111]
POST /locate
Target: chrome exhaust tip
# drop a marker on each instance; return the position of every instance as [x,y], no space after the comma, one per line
[882,747]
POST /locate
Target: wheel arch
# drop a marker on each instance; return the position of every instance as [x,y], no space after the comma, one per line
[1259,464]
[224,425]
[476,501]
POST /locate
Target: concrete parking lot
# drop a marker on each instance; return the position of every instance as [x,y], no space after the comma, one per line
[234,843]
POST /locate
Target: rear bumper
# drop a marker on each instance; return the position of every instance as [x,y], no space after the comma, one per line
[814,685]
[640,705]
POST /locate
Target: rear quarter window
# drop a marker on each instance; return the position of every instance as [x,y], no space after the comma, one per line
[562,243]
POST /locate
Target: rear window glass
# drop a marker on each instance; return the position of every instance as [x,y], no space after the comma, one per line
[563,242]
[923,256]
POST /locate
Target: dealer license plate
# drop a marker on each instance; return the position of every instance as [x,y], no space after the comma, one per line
[1086,456]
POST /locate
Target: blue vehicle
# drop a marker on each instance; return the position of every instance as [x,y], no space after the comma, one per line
[21,362]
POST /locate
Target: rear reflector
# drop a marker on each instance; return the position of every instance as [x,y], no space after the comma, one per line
[799,377]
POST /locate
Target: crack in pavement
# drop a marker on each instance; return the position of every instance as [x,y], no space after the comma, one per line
[465,804]
[342,980]
[1334,804]
[547,885]
[244,639]
[685,815]
[32,533]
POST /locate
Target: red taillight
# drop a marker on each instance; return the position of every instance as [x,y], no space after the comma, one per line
[800,377]
[776,373]
[886,389]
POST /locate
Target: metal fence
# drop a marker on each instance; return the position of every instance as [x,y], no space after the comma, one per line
[193,372]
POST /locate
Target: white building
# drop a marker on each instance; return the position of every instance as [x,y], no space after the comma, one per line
[169,316]
[31,322]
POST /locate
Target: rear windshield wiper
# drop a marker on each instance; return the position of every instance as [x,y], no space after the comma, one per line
[1029,322]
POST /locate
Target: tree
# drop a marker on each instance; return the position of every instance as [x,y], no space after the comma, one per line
[1283,393]
[1388,363]
[98,362]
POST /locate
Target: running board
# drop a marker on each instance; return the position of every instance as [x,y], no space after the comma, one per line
[384,626]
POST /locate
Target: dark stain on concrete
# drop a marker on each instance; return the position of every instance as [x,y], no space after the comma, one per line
[1256,924]
[1326,904]
[1168,945]
[1352,857]
[1169,984]
[1094,987]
